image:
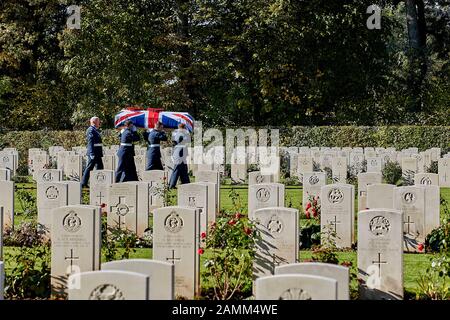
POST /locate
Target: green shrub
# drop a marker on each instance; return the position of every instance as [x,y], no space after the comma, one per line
[27,234]
[27,201]
[433,168]
[28,273]
[392,173]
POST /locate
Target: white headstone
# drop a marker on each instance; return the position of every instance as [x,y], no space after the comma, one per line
[296,287]
[160,275]
[426,179]
[364,179]
[175,241]
[76,243]
[339,273]
[278,244]
[411,201]
[337,214]
[7,202]
[255,177]
[380,254]
[196,195]
[380,195]
[264,195]
[213,177]
[444,172]
[312,182]
[50,196]
[98,188]
[109,285]
[339,169]
[48,175]
[122,206]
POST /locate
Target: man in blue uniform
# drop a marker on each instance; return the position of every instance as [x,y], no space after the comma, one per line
[126,169]
[94,150]
[180,139]
[154,137]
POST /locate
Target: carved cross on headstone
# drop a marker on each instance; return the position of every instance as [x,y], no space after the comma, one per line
[334,223]
[379,263]
[408,223]
[72,259]
[121,209]
[100,197]
[173,259]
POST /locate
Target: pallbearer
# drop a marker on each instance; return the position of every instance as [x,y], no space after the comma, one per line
[154,137]
[126,169]
[94,150]
[180,139]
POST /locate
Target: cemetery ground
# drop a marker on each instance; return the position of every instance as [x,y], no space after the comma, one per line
[415,265]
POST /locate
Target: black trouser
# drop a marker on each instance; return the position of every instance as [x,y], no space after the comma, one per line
[154,159]
[126,169]
[181,171]
[95,162]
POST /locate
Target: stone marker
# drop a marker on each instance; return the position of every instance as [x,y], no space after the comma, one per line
[5,174]
[409,167]
[312,182]
[426,179]
[196,195]
[364,179]
[48,175]
[339,273]
[8,161]
[122,204]
[73,168]
[411,201]
[278,228]
[39,160]
[380,254]
[374,164]
[160,274]
[305,164]
[380,195]
[264,195]
[143,206]
[337,214]
[50,195]
[444,172]
[2,279]
[339,169]
[110,162]
[7,203]
[76,244]
[432,208]
[213,177]
[175,241]
[98,188]
[296,287]
[157,180]
[109,285]
[255,177]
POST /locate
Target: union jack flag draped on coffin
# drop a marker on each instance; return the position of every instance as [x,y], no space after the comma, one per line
[148,117]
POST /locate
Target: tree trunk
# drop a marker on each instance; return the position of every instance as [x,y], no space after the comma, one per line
[417,36]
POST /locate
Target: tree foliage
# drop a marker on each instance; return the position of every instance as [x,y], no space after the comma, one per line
[228,62]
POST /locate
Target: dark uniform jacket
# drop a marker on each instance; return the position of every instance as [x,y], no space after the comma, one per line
[93,140]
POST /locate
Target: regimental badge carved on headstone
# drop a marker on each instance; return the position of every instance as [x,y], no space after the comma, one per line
[52,193]
[263,194]
[173,223]
[259,178]
[106,292]
[72,222]
[275,225]
[121,209]
[47,177]
[379,226]
[426,181]
[409,197]
[295,294]
[313,180]
[191,202]
[335,196]
[101,177]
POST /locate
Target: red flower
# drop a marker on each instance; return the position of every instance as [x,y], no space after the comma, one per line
[238,216]
[307,215]
[248,231]
[201,251]
[308,205]
[103,205]
[203,235]
[420,247]
[314,212]
[347,263]
[232,222]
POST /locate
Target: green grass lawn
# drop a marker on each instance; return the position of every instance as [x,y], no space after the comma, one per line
[414,264]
